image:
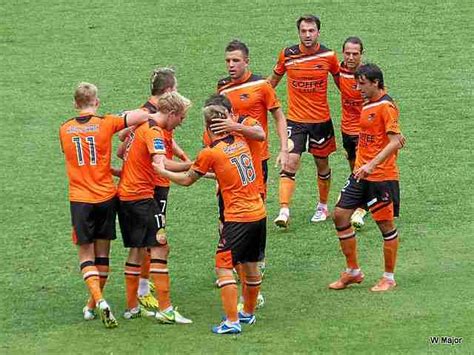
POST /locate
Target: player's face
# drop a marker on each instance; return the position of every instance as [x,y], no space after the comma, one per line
[237,64]
[175,119]
[367,88]
[352,55]
[308,33]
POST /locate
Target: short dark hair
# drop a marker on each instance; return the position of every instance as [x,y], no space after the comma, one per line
[353,40]
[161,80]
[219,100]
[309,18]
[371,72]
[237,45]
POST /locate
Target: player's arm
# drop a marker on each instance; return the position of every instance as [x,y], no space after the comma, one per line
[177,166]
[136,117]
[179,152]
[282,131]
[274,79]
[396,142]
[228,125]
[181,178]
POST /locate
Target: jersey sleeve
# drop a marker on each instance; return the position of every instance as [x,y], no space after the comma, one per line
[280,68]
[116,123]
[203,162]
[155,142]
[334,66]
[271,100]
[391,119]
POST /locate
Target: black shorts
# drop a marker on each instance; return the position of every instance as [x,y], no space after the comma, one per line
[381,198]
[241,242]
[265,171]
[139,223]
[319,137]
[161,198]
[92,221]
[349,142]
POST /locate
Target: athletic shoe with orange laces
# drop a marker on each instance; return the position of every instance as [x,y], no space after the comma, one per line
[346,279]
[383,285]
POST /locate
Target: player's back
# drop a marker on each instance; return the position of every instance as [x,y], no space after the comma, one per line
[231,161]
[138,176]
[87,145]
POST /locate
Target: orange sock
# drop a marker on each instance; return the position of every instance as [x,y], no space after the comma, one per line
[390,248]
[102,264]
[240,271]
[348,244]
[132,275]
[90,274]
[161,278]
[145,271]
[229,295]
[287,188]
[324,183]
[253,288]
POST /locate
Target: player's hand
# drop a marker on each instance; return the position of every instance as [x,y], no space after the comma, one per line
[364,171]
[222,125]
[402,140]
[116,172]
[159,167]
[282,159]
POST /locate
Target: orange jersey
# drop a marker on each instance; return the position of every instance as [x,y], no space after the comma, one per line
[307,81]
[137,181]
[257,150]
[87,145]
[231,161]
[252,96]
[351,102]
[378,118]
[151,107]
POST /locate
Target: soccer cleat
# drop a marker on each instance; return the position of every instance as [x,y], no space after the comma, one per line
[89,313]
[357,218]
[260,300]
[345,280]
[172,316]
[227,327]
[149,302]
[137,312]
[106,315]
[320,215]
[283,219]
[247,319]
[151,285]
[383,285]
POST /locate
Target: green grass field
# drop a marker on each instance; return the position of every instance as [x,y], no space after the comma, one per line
[424,48]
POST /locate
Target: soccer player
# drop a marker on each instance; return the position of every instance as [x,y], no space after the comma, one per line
[86,141]
[162,80]
[351,102]
[251,95]
[139,213]
[374,182]
[307,65]
[244,227]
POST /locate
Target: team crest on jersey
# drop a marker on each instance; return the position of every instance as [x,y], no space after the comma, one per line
[244,97]
[371,117]
[158,144]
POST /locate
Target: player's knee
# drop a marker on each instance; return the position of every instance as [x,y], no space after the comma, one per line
[341,217]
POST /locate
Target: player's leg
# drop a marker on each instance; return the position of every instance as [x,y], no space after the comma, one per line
[322,143]
[102,262]
[383,211]
[297,138]
[352,195]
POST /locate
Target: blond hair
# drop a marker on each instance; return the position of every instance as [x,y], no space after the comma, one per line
[173,102]
[85,95]
[213,112]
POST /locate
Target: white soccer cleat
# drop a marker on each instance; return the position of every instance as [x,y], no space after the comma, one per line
[283,219]
[89,313]
[357,218]
[320,215]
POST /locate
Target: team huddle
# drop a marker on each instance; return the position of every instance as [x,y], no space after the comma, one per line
[235,155]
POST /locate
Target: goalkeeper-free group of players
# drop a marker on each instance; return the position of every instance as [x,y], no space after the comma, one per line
[236,154]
